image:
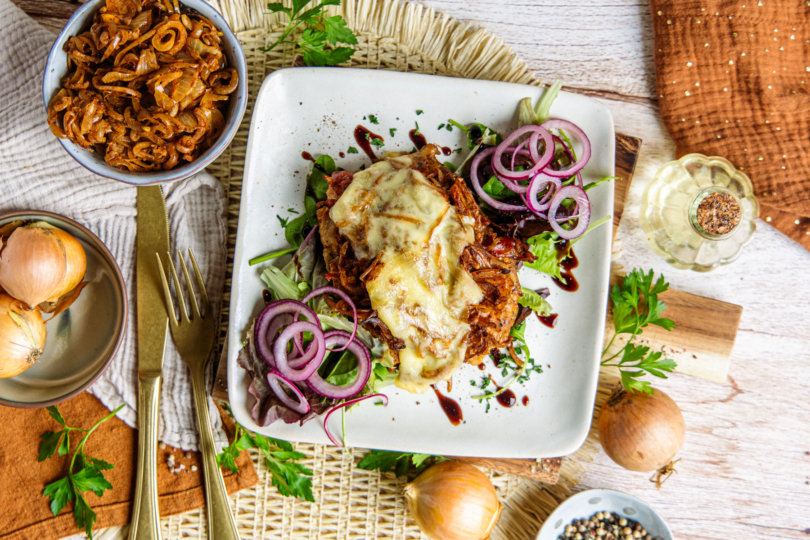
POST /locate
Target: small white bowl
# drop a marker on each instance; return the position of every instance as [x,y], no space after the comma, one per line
[56,68]
[587,503]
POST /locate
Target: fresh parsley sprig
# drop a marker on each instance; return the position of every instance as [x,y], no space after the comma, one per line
[385,461]
[84,473]
[636,306]
[290,478]
[319,31]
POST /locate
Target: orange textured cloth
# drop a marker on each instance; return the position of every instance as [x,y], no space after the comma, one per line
[25,512]
[734,81]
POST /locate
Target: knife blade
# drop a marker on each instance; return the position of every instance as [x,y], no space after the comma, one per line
[153,237]
[153,328]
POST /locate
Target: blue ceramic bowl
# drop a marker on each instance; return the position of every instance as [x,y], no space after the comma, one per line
[56,68]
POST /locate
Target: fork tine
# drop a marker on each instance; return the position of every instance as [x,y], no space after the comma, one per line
[192,297]
[180,300]
[167,294]
[203,293]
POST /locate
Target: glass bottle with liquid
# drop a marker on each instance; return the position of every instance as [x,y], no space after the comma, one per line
[698,212]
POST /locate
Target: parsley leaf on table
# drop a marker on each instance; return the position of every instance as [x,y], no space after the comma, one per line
[636,306]
[84,473]
[352,150]
[290,478]
[319,31]
[385,461]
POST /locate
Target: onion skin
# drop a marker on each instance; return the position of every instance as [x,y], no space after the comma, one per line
[75,262]
[17,352]
[41,264]
[453,501]
[641,432]
[32,264]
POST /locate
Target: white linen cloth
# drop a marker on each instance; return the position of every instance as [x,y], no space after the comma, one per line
[37,174]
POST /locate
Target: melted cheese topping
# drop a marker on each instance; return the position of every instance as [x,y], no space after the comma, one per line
[393,212]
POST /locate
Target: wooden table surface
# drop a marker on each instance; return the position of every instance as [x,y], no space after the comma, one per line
[745,472]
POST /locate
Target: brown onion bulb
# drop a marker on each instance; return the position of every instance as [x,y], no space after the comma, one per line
[641,432]
[76,264]
[22,337]
[453,501]
[41,263]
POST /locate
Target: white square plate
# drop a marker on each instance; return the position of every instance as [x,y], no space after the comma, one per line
[316,110]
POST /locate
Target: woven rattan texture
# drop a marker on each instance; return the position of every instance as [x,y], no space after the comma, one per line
[352,503]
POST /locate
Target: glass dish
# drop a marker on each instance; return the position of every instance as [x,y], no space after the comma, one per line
[669,212]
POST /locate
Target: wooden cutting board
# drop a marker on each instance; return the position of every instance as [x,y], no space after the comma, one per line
[701,342]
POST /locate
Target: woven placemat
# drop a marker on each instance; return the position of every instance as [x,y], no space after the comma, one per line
[352,503]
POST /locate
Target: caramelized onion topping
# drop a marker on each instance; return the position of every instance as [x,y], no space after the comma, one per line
[145,85]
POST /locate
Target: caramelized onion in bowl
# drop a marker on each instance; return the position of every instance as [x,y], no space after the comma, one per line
[144,86]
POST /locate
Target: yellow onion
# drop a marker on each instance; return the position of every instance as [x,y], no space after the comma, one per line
[641,432]
[22,337]
[40,263]
[453,501]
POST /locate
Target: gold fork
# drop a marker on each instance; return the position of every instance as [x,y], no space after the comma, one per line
[194,338]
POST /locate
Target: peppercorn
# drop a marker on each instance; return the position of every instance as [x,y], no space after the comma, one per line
[605,526]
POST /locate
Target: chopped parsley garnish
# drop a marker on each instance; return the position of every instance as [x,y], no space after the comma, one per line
[416,131]
[440,126]
[377,142]
[293,211]
[392,131]
[352,150]
[529,368]
[283,221]
[419,111]
[373,119]
[520,373]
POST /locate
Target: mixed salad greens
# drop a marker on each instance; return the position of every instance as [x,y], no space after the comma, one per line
[540,195]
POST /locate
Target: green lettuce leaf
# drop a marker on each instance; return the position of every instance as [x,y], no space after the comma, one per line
[534,301]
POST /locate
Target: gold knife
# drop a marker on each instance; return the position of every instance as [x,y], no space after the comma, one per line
[153,328]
